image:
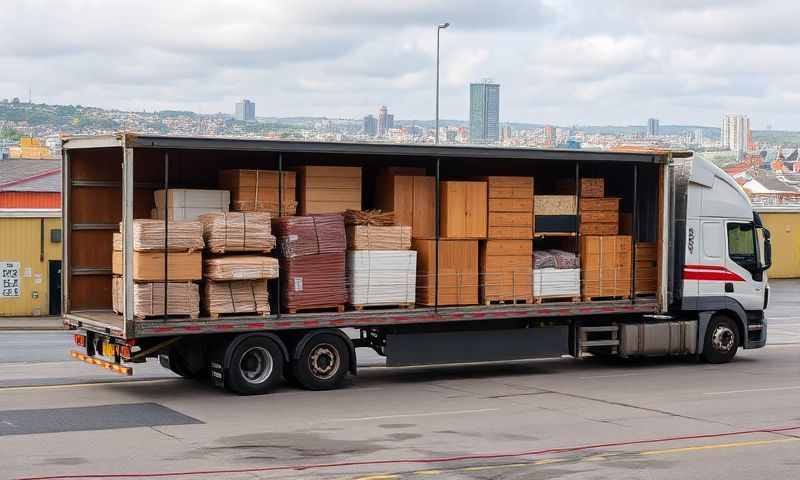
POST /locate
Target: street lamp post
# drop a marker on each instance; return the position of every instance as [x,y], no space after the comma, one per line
[439,28]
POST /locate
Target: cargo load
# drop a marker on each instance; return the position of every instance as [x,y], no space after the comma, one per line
[240,267]
[150,236]
[328,189]
[189,204]
[238,232]
[313,282]
[309,235]
[183,299]
[457,272]
[257,190]
[510,207]
[409,195]
[505,271]
[235,297]
[382,277]
[149,266]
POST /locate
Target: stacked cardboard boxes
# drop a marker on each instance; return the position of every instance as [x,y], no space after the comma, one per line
[605,266]
[327,189]
[257,190]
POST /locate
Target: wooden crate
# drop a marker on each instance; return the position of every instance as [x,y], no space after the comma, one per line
[257,190]
[599,216]
[327,189]
[149,266]
[506,271]
[458,272]
[510,207]
[605,266]
[412,199]
[463,212]
[592,187]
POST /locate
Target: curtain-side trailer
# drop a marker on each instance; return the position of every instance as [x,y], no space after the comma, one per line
[711,256]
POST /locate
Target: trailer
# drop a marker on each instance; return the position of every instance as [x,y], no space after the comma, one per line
[710,251]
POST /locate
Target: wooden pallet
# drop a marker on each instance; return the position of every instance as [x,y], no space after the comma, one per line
[382,306]
[216,316]
[557,298]
[319,308]
[508,301]
[607,297]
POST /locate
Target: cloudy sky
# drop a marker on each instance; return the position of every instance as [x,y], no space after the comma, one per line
[558,61]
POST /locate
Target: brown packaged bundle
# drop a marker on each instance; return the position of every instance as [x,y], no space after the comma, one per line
[149,236]
[257,190]
[238,232]
[240,267]
[369,237]
[245,296]
[148,298]
[313,281]
[309,235]
[369,217]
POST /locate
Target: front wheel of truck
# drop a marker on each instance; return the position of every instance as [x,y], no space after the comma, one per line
[722,340]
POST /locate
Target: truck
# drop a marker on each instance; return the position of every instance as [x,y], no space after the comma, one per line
[711,253]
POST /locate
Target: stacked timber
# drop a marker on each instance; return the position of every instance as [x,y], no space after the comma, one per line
[312,262]
[505,271]
[411,196]
[381,270]
[189,204]
[237,267]
[646,269]
[605,267]
[152,248]
[510,208]
[327,189]
[258,190]
[555,214]
[457,272]
[599,216]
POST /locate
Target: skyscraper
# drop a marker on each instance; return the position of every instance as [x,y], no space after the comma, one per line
[370,125]
[652,127]
[549,136]
[735,133]
[484,112]
[389,121]
[245,111]
[383,121]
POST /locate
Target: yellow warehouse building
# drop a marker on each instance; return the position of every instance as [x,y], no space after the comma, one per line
[783,224]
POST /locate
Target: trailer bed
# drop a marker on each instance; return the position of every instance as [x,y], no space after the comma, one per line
[108,323]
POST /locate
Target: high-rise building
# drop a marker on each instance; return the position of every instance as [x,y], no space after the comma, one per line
[370,126]
[549,136]
[652,127]
[383,121]
[389,121]
[484,112]
[245,111]
[698,137]
[736,133]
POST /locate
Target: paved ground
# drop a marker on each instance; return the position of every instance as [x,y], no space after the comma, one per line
[546,419]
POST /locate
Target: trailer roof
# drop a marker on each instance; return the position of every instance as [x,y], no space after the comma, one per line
[132,140]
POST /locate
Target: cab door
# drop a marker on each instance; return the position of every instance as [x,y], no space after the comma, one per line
[746,282]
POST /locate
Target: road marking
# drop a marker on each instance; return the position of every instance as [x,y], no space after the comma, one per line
[481,468]
[548,461]
[765,389]
[80,385]
[379,477]
[408,415]
[428,472]
[614,375]
[751,443]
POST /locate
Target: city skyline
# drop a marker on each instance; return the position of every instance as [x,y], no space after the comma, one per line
[564,62]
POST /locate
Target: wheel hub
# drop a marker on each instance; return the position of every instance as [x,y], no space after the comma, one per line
[256,365]
[324,361]
[723,339]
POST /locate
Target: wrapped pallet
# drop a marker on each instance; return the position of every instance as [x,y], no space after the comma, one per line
[149,266]
[556,276]
[309,235]
[258,190]
[189,204]
[313,282]
[382,277]
[372,237]
[236,297]
[150,236]
[240,267]
[238,232]
[183,299]
[328,189]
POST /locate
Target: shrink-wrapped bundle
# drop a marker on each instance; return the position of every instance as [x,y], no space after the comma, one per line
[370,237]
[309,235]
[240,267]
[237,232]
[241,296]
[382,277]
[313,281]
[183,298]
[150,236]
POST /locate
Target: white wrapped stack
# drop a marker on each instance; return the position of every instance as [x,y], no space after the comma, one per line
[189,204]
[556,282]
[381,277]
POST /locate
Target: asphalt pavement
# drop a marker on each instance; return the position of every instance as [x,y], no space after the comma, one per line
[543,419]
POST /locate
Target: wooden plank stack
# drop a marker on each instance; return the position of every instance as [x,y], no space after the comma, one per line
[189,204]
[257,190]
[458,272]
[605,266]
[555,214]
[505,271]
[599,216]
[183,299]
[411,198]
[646,269]
[328,189]
[312,263]
[236,268]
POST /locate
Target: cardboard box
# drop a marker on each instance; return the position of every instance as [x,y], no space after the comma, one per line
[149,266]
[457,271]
[328,189]
[412,199]
[463,210]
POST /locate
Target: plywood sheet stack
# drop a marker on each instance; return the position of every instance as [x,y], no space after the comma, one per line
[599,214]
[556,276]
[328,189]
[258,190]
[237,267]
[605,266]
[150,249]
[312,262]
[555,214]
[411,196]
[189,204]
[458,272]
[381,270]
[646,269]
[505,271]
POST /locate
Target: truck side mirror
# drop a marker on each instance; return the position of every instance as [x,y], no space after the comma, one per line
[767,250]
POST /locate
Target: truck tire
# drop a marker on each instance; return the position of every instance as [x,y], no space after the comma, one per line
[255,367]
[323,364]
[174,363]
[722,340]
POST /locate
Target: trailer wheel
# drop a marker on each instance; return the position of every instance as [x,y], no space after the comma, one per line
[256,367]
[722,340]
[323,364]
[174,363]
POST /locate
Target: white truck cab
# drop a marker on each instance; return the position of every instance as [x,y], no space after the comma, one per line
[726,253]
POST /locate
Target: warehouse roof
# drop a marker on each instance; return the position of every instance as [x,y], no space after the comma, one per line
[22,175]
[131,140]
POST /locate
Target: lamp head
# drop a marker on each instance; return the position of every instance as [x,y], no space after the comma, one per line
[444,25]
